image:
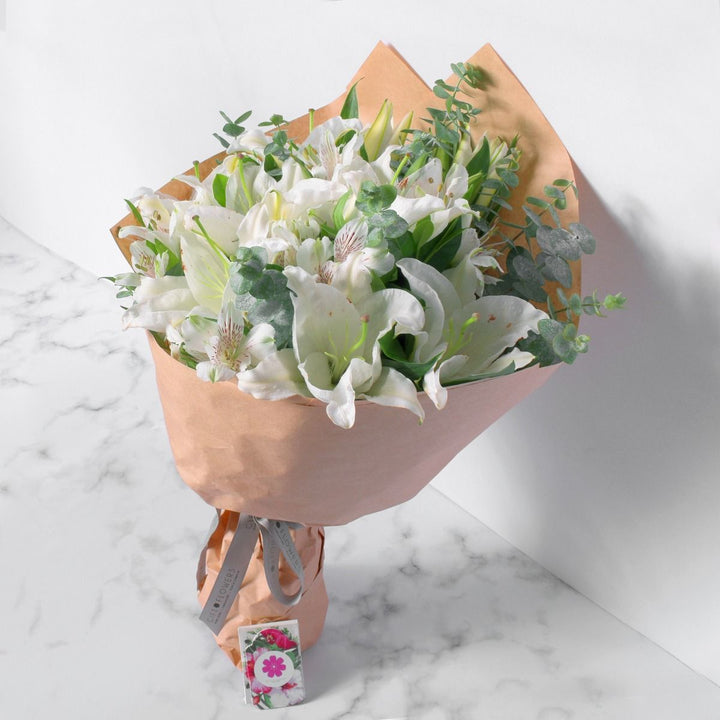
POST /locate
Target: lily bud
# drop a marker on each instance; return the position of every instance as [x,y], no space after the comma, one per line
[377,136]
[464,150]
[398,137]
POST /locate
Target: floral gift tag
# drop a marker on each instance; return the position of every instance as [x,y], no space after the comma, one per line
[272,665]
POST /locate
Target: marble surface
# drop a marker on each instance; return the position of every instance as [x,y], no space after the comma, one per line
[432,615]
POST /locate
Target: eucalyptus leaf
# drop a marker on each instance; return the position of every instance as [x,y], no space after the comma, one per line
[584,237]
[555,268]
[373,198]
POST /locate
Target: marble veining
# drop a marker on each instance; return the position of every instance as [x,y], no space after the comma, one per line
[432,616]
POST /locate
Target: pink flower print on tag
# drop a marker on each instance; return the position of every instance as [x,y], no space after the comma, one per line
[278,638]
[273,666]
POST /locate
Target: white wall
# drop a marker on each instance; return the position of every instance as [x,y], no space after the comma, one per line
[99,98]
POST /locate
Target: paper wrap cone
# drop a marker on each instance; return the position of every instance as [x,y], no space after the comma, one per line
[285,459]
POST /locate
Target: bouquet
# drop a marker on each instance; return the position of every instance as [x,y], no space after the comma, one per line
[340,303]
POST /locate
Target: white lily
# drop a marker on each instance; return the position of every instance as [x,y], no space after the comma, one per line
[337,349]
[220,224]
[470,338]
[274,378]
[207,270]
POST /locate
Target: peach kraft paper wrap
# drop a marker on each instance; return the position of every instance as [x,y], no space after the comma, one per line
[285,459]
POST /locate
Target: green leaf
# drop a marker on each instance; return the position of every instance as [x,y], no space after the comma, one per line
[544,204]
[440,251]
[560,242]
[219,189]
[575,304]
[480,161]
[264,297]
[402,246]
[424,229]
[584,237]
[508,177]
[523,266]
[507,370]
[614,302]
[350,107]
[344,137]
[555,268]
[553,192]
[271,167]
[373,198]
[338,214]
[222,140]
[532,216]
[396,357]
[135,213]
[389,222]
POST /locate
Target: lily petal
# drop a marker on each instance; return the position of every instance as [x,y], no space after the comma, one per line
[274,378]
[206,270]
[393,389]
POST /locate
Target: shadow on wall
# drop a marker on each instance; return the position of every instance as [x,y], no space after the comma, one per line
[629,434]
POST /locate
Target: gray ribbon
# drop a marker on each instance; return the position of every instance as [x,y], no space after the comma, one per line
[276,541]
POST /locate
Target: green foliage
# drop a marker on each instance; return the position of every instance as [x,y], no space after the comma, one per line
[350,107]
[135,213]
[440,250]
[219,189]
[589,305]
[374,198]
[555,342]
[397,357]
[232,128]
[275,120]
[262,293]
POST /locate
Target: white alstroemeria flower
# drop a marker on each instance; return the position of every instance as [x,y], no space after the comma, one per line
[252,141]
[313,253]
[207,270]
[146,261]
[159,302]
[232,350]
[320,151]
[337,349]
[350,269]
[246,184]
[155,209]
[425,194]
[193,334]
[469,339]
